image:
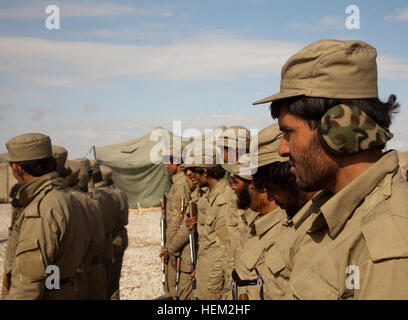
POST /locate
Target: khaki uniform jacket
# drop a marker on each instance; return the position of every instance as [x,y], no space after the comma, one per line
[274,263]
[225,258]
[357,245]
[53,229]
[215,236]
[262,233]
[249,217]
[177,241]
[12,242]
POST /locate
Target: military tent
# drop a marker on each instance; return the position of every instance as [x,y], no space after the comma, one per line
[133,171]
[7,181]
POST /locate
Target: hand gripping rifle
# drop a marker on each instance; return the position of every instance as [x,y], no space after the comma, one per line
[163,201]
[178,261]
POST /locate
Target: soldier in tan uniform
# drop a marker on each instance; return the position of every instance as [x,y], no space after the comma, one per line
[176,237]
[44,238]
[67,169]
[213,234]
[335,129]
[102,180]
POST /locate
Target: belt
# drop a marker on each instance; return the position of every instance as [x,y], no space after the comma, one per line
[243,283]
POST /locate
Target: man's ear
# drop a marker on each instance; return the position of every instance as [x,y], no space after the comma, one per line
[251,186]
[205,171]
[17,170]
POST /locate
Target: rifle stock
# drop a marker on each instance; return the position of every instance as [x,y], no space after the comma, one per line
[163,201]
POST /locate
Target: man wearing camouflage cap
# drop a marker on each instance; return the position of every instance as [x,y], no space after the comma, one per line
[176,238]
[101,178]
[335,129]
[44,236]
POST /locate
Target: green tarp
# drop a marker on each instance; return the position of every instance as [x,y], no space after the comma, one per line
[134,173]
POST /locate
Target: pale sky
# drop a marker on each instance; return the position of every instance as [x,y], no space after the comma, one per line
[115,70]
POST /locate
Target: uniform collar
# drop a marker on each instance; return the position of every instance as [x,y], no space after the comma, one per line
[30,190]
[218,189]
[250,216]
[338,209]
[268,221]
[312,206]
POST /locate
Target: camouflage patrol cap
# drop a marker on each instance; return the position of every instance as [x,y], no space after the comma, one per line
[330,69]
[94,166]
[235,137]
[266,147]
[347,130]
[28,146]
[106,172]
[60,154]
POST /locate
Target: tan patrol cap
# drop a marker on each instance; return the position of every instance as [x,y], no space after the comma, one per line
[241,169]
[60,154]
[209,156]
[84,164]
[269,140]
[73,169]
[236,137]
[106,172]
[330,69]
[28,146]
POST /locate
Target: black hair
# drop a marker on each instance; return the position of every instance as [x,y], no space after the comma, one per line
[38,168]
[312,109]
[96,176]
[277,173]
[216,172]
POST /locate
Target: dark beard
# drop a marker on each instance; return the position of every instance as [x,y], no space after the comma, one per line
[316,171]
[244,198]
[295,201]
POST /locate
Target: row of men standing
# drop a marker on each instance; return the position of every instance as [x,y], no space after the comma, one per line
[322,214]
[66,215]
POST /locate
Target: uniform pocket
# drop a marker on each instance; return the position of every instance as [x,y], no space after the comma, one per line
[310,286]
[274,260]
[30,262]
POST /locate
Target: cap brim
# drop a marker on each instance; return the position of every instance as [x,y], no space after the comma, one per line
[277,96]
[4,156]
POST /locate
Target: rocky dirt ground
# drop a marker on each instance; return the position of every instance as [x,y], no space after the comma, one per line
[141,271]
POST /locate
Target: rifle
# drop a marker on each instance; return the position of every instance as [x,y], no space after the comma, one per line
[163,201]
[178,261]
[6,284]
[192,213]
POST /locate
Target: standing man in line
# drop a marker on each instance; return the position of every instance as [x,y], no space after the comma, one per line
[52,229]
[179,189]
[335,129]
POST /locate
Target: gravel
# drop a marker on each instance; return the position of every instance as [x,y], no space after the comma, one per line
[141,271]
